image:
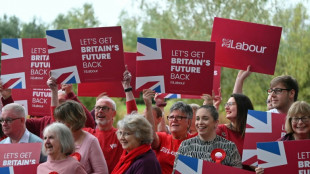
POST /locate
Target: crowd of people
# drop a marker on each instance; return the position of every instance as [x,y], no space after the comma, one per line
[143,143]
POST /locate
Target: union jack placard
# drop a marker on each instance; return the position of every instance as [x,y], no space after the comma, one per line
[24,63]
[284,156]
[189,165]
[86,55]
[261,127]
[175,66]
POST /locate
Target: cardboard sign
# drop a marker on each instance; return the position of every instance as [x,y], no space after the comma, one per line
[36,101]
[261,127]
[19,154]
[113,89]
[186,165]
[284,156]
[239,44]
[175,66]
[86,55]
[24,63]
[216,86]
[31,169]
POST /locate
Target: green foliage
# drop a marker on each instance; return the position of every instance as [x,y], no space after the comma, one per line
[77,18]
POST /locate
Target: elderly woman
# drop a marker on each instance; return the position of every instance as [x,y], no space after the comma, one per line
[135,135]
[87,147]
[205,145]
[58,146]
[297,124]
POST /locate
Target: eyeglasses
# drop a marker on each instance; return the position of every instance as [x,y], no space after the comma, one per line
[276,90]
[8,120]
[103,108]
[228,104]
[125,134]
[304,119]
[179,118]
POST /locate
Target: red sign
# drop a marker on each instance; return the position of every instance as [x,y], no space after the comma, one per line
[37,101]
[19,154]
[260,127]
[216,86]
[239,44]
[31,169]
[186,164]
[175,66]
[86,55]
[284,156]
[113,89]
[24,63]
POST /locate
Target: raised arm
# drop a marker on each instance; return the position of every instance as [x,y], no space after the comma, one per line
[242,75]
[148,94]
[51,83]
[130,99]
[214,100]
[160,102]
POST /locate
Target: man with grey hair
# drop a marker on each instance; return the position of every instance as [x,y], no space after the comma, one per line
[105,111]
[166,145]
[13,121]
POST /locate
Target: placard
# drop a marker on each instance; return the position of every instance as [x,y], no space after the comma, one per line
[216,86]
[86,55]
[284,156]
[239,44]
[261,127]
[36,101]
[113,89]
[175,66]
[186,165]
[19,154]
[31,169]
[24,63]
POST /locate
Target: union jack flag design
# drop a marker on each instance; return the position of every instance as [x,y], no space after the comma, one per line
[7,170]
[67,75]
[189,165]
[58,41]
[14,81]
[260,127]
[11,49]
[171,66]
[31,169]
[271,154]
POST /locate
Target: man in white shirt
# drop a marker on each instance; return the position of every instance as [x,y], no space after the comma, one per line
[13,121]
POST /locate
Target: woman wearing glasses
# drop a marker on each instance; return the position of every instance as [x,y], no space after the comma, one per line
[135,135]
[297,124]
[236,112]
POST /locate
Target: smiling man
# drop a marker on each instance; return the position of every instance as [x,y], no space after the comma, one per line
[13,120]
[284,92]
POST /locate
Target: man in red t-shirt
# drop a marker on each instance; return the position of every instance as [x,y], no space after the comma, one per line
[166,145]
[105,111]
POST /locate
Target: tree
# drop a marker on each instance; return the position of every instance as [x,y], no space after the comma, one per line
[77,18]
[33,30]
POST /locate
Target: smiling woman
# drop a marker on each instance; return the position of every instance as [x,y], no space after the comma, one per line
[135,135]
[59,145]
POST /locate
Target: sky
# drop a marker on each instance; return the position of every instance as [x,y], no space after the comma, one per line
[107,11]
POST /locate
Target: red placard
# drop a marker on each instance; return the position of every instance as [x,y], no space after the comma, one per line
[37,101]
[216,86]
[284,156]
[24,63]
[187,165]
[260,127]
[86,55]
[19,154]
[113,89]
[31,169]
[175,66]
[239,44]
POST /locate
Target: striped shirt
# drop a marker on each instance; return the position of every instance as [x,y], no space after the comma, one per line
[197,148]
